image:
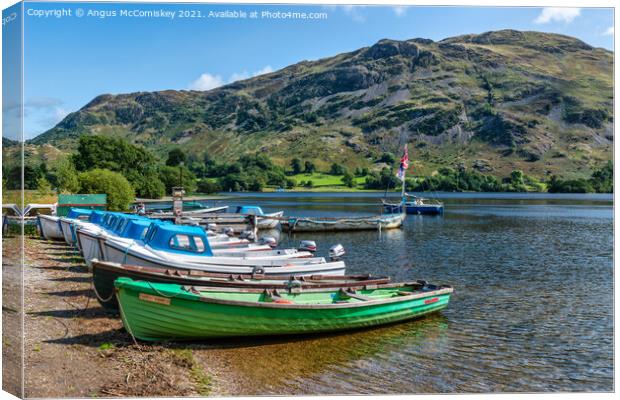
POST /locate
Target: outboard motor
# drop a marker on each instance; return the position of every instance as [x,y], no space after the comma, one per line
[336,252]
[212,227]
[271,241]
[307,245]
[249,235]
[190,221]
[229,231]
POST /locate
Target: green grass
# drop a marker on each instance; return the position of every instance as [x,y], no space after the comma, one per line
[320,179]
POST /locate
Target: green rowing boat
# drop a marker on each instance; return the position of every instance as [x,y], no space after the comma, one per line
[161,311]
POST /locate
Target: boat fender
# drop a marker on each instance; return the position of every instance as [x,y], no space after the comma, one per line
[269,240]
[307,245]
[336,252]
[229,231]
[258,271]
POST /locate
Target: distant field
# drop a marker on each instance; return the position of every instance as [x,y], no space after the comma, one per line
[320,179]
[30,196]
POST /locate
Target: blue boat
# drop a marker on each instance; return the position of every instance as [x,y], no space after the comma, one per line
[415,205]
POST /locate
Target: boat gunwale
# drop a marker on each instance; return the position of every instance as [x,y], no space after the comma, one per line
[187,296]
[197,273]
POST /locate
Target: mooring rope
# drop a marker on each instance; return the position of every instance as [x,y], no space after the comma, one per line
[125,320]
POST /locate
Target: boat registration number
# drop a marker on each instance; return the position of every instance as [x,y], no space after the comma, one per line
[433,300]
[154,299]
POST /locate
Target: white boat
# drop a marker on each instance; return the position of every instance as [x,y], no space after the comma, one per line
[50,227]
[379,222]
[176,246]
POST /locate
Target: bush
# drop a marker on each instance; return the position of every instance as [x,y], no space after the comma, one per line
[113,184]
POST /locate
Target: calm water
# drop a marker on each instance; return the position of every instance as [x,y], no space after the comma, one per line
[532,310]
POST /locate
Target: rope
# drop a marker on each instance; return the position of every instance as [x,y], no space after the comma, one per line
[126,251]
[126,321]
[101,299]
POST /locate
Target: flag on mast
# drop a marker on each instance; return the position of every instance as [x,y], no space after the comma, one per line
[404,164]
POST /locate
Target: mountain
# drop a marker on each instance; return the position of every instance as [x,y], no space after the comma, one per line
[494,102]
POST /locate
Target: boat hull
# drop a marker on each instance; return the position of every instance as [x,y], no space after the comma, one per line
[152,313]
[67,231]
[119,255]
[50,227]
[90,245]
[423,209]
[412,209]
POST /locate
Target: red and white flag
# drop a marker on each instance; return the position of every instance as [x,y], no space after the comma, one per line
[404,164]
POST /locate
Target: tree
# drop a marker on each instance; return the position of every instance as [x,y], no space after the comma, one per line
[176,156]
[116,154]
[43,187]
[296,166]
[309,167]
[177,176]
[387,158]
[309,184]
[119,191]
[207,186]
[361,171]
[602,180]
[348,180]
[337,169]
[66,177]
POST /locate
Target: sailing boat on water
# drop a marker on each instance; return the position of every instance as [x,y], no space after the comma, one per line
[412,204]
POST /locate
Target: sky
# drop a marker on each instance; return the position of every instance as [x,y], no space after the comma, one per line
[70,59]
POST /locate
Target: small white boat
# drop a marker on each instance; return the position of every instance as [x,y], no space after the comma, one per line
[50,227]
[175,246]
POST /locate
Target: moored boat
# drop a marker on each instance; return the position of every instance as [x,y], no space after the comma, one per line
[182,247]
[415,205]
[67,224]
[105,273]
[379,222]
[50,227]
[160,311]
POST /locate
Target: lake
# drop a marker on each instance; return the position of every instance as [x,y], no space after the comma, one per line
[532,309]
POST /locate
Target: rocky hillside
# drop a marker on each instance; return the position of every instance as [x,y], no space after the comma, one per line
[494,102]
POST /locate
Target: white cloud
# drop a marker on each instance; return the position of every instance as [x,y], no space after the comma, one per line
[559,14]
[400,11]
[355,13]
[609,31]
[265,70]
[206,82]
[46,111]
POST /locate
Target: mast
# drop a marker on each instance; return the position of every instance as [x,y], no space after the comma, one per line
[404,165]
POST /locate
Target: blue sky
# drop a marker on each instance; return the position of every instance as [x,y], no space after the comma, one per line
[69,60]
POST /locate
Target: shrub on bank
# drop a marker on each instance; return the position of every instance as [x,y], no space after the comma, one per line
[118,189]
